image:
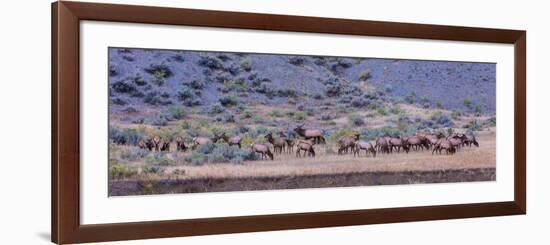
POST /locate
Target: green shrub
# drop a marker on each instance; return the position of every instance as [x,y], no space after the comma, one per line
[276,113]
[246,64]
[410,98]
[381,111]
[439,104]
[119,171]
[365,75]
[356,119]
[478,109]
[455,114]
[153,170]
[133,154]
[123,136]
[472,126]
[229,100]
[300,116]
[468,103]
[396,109]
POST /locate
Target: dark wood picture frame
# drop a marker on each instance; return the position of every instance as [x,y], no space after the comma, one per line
[65,155]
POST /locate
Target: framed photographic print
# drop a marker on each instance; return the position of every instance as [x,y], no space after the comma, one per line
[177,122]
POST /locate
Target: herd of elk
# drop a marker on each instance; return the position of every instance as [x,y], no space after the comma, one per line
[308,138]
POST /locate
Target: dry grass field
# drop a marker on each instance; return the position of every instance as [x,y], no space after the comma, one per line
[287,171]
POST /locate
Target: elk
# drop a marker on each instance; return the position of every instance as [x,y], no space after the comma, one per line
[315,134]
[180,145]
[346,143]
[382,145]
[398,143]
[363,145]
[444,144]
[278,144]
[201,141]
[234,140]
[306,146]
[262,149]
[156,143]
[415,142]
[165,145]
[146,144]
[289,142]
[457,140]
[471,139]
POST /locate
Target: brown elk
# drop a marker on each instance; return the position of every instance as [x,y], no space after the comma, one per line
[444,144]
[289,142]
[262,149]
[347,143]
[457,140]
[306,146]
[315,134]
[415,142]
[398,144]
[234,140]
[165,145]
[146,144]
[363,145]
[432,139]
[200,141]
[180,145]
[382,145]
[278,144]
[471,139]
[156,143]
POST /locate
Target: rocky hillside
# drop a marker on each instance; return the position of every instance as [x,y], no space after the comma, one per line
[163,77]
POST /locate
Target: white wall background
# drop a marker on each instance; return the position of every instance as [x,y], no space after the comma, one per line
[25,121]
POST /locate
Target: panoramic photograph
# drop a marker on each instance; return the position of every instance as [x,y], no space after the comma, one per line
[185,121]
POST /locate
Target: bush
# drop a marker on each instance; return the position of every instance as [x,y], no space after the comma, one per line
[439,104]
[356,119]
[455,114]
[286,92]
[296,60]
[205,149]
[119,171]
[152,98]
[133,154]
[159,158]
[410,98]
[478,109]
[395,109]
[194,84]
[223,153]
[468,103]
[153,170]
[124,136]
[119,101]
[188,96]
[158,120]
[442,119]
[246,65]
[229,100]
[215,109]
[472,126]
[359,102]
[196,158]
[173,113]
[159,71]
[382,111]
[211,63]
[300,116]
[365,75]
